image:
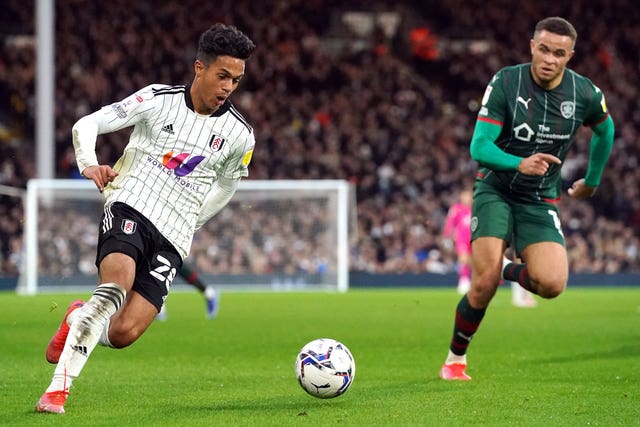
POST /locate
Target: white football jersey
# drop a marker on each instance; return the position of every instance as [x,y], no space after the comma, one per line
[173,157]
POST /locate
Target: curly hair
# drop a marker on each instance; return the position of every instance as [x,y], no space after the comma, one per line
[222,39]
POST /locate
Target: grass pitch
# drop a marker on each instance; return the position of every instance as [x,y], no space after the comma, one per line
[570,361]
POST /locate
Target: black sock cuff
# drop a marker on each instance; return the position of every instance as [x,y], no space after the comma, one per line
[469,313]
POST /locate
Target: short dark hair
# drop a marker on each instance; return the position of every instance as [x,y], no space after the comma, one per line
[222,39]
[557,25]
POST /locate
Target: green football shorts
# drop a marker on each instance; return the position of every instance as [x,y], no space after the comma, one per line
[519,223]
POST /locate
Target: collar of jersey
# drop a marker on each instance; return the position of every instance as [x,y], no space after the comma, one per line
[189,102]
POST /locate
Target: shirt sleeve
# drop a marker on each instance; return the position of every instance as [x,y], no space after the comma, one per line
[217,198]
[110,118]
[488,127]
[599,150]
[237,165]
[484,150]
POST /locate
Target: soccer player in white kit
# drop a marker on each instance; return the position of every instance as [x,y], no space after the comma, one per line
[187,152]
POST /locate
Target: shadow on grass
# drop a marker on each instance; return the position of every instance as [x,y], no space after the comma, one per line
[628,351]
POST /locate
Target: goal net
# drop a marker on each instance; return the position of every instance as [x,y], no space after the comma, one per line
[273,235]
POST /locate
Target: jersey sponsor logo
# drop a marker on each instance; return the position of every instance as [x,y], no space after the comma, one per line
[180,163]
[523,132]
[119,110]
[183,170]
[568,109]
[216,142]
[128,226]
[545,136]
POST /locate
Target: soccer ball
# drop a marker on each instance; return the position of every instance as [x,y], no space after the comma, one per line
[325,368]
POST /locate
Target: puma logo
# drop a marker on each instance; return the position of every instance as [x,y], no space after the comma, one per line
[525,103]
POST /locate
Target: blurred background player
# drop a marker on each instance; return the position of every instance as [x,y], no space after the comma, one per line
[211,297]
[457,234]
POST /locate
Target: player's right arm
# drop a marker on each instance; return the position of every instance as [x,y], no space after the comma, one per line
[110,118]
[489,124]
[484,149]
[487,153]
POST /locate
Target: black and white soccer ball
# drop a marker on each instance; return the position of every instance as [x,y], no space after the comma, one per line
[325,368]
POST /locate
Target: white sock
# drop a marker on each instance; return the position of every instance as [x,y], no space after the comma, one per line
[71,317]
[518,293]
[454,358]
[104,336]
[84,333]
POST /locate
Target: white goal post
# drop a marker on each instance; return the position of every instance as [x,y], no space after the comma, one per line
[273,235]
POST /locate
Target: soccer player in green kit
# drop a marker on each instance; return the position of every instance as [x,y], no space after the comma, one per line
[529,117]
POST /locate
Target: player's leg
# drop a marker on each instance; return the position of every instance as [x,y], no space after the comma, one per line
[156,271]
[547,268]
[192,277]
[162,314]
[486,264]
[540,243]
[135,271]
[212,299]
[86,326]
[520,297]
[491,227]
[130,322]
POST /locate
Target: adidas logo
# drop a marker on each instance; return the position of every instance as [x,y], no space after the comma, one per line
[81,349]
[168,128]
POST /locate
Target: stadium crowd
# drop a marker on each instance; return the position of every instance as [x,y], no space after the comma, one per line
[395,125]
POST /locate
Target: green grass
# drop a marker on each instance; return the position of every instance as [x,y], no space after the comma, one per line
[571,361]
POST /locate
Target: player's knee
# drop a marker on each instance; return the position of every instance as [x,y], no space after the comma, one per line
[548,282]
[550,287]
[483,288]
[123,334]
[487,280]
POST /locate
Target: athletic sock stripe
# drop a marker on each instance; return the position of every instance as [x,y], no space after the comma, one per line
[114,295]
[116,303]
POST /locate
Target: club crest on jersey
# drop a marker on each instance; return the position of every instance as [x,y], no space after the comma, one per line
[128,226]
[216,142]
[567,108]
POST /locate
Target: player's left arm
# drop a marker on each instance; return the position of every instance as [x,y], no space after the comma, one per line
[599,150]
[218,197]
[225,187]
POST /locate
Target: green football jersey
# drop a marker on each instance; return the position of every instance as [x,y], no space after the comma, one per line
[535,120]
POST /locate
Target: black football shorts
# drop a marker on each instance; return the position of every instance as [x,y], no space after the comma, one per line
[125,230]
